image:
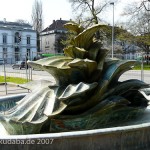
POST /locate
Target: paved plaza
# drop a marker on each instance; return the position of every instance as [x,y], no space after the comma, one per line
[11,89]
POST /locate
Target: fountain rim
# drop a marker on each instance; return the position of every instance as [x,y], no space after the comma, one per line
[71,134]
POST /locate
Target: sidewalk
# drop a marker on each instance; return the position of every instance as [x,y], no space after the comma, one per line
[11,89]
[14,89]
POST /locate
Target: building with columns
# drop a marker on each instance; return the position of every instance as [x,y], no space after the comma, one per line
[17,41]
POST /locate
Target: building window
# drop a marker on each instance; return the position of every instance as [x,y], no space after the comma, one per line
[17,52]
[17,37]
[4,38]
[5,52]
[28,53]
[28,40]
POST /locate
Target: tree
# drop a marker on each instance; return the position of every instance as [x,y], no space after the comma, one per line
[89,10]
[59,45]
[139,25]
[144,3]
[37,20]
[121,36]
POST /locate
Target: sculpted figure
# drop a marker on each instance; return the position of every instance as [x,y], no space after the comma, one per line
[86,95]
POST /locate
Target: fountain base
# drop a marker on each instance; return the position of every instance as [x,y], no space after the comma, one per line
[130,136]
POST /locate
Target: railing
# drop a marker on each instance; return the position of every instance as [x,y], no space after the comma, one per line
[29,74]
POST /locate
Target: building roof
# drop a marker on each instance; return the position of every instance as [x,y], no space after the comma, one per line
[56,25]
[5,23]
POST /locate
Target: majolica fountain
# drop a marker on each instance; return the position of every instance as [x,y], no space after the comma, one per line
[87,104]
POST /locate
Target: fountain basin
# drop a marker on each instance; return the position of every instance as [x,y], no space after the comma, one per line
[134,135]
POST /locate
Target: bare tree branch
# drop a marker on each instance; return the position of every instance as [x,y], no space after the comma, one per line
[91,8]
[37,19]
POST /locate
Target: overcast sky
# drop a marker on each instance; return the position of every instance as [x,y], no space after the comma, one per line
[13,10]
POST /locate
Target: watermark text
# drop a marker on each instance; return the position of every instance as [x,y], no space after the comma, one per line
[26,141]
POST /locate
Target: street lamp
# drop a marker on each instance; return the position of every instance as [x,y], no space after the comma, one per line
[112,53]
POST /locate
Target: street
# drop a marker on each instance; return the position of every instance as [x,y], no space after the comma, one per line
[136,74]
[23,73]
[38,75]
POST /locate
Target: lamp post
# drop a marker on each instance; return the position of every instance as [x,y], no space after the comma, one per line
[112,53]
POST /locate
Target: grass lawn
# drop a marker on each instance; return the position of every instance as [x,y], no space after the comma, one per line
[145,67]
[13,80]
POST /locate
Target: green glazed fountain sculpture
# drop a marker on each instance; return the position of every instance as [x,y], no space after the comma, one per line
[86,95]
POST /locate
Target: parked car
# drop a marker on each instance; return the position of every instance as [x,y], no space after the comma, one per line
[20,65]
